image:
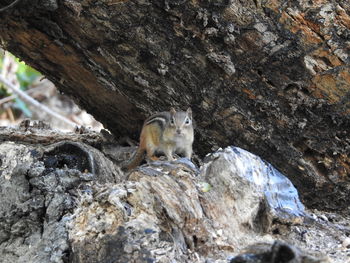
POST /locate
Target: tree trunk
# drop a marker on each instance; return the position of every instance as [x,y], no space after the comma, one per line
[269,76]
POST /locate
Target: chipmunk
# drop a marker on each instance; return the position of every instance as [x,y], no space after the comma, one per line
[166,132]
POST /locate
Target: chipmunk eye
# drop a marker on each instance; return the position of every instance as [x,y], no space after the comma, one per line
[187,121]
[172,122]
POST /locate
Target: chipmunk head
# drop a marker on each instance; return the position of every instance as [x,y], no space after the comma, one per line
[181,121]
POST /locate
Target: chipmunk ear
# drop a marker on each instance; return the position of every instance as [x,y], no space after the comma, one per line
[189,112]
[172,111]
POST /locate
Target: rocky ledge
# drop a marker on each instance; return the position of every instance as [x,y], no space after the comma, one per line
[68,201]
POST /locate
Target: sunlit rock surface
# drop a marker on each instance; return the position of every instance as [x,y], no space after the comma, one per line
[255,183]
[67,202]
[165,213]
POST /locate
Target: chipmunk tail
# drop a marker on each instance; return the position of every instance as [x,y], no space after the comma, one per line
[135,160]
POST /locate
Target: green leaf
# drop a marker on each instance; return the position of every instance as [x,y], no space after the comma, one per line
[26,75]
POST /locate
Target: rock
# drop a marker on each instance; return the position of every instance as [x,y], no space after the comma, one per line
[346,243]
[167,213]
[67,202]
[277,252]
[264,194]
[38,187]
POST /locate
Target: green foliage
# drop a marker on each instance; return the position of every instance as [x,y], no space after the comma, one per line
[26,75]
[3,91]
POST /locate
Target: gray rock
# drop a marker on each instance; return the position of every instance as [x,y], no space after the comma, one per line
[66,204]
[38,195]
[259,191]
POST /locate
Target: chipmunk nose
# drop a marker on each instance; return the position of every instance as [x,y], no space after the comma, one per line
[178,131]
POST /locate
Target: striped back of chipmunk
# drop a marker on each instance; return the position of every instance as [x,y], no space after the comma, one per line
[159,118]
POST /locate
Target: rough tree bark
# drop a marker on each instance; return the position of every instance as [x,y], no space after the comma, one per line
[269,76]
